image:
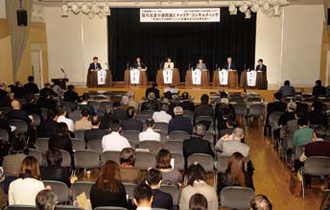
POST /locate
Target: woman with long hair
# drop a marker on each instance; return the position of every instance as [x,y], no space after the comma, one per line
[108,189]
[163,163]
[23,191]
[61,138]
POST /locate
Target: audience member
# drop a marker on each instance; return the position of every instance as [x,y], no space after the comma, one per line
[128,172]
[151,103]
[83,123]
[75,114]
[230,125]
[187,102]
[63,119]
[71,95]
[304,134]
[290,114]
[57,88]
[149,134]
[30,106]
[114,141]
[204,109]
[96,133]
[132,102]
[125,102]
[260,202]
[108,189]
[131,123]
[319,89]
[46,102]
[197,184]
[19,90]
[162,116]
[143,197]
[61,139]
[84,104]
[316,116]
[106,120]
[198,202]
[287,89]
[46,200]
[47,90]
[277,105]
[17,113]
[179,122]
[163,163]
[118,112]
[47,128]
[154,90]
[31,87]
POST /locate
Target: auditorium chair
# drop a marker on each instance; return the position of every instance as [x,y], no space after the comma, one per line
[173,190]
[254,99]
[188,113]
[80,187]
[95,145]
[60,189]
[142,118]
[162,127]
[222,163]
[67,106]
[178,135]
[132,136]
[20,207]
[80,134]
[93,93]
[68,207]
[100,98]
[205,160]
[145,160]
[236,100]
[273,124]
[178,161]
[86,159]
[4,135]
[109,208]
[175,147]
[147,112]
[129,188]
[257,110]
[94,104]
[110,155]
[78,144]
[66,159]
[206,119]
[36,120]
[21,126]
[36,154]
[153,146]
[42,145]
[236,197]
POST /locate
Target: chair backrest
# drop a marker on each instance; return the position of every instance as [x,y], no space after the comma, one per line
[60,189]
[132,136]
[240,109]
[153,146]
[36,120]
[274,117]
[222,163]
[67,106]
[257,109]
[4,135]
[86,159]
[210,138]
[142,118]
[254,99]
[144,160]
[161,127]
[65,207]
[21,126]
[147,112]
[298,151]
[178,136]
[95,145]
[129,187]
[110,155]
[66,159]
[173,190]
[80,187]
[42,145]
[99,98]
[205,119]
[236,197]
[204,159]
[188,113]
[236,100]
[110,208]
[317,166]
[175,147]
[178,161]
[94,104]
[20,207]
[78,144]
[79,134]
[36,154]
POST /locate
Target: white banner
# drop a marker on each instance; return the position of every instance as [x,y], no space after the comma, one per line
[223,77]
[196,77]
[101,77]
[251,78]
[168,76]
[180,15]
[135,76]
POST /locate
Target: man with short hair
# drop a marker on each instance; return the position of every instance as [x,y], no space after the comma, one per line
[62,118]
[71,95]
[260,202]
[31,87]
[118,112]
[149,134]
[204,109]
[319,89]
[187,102]
[287,89]
[95,65]
[304,134]
[143,198]
[132,123]
[46,200]
[83,123]
[261,66]
[47,90]
[162,116]
[114,141]
[48,127]
[84,104]
[153,89]
[179,122]
[161,199]
[229,65]
[17,113]
[95,133]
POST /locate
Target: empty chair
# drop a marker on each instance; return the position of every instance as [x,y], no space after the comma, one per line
[129,187]
[94,104]
[36,120]
[80,187]
[66,159]
[147,112]
[205,119]
[132,136]
[86,159]
[78,144]
[144,160]
[173,190]
[254,99]
[79,134]
[222,163]
[178,136]
[21,126]
[93,93]
[20,207]
[240,109]
[36,154]
[205,160]
[162,127]
[95,145]
[163,137]
[178,161]
[175,147]
[142,118]
[111,155]
[99,98]
[110,208]
[42,145]
[153,146]
[4,135]
[236,100]
[65,207]
[257,110]
[273,123]
[60,189]
[236,197]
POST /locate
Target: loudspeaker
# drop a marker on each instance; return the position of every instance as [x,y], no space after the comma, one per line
[328,16]
[22,17]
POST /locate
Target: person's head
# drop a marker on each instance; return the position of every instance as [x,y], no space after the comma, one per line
[143,196]
[317,106]
[185,96]
[200,60]
[261,202]
[151,96]
[51,113]
[260,61]
[318,82]
[3,86]
[85,97]
[95,59]
[198,202]
[163,159]
[62,111]
[178,110]
[46,200]
[168,95]
[236,169]
[154,178]
[29,168]
[195,172]
[154,84]
[150,123]
[205,99]
[278,96]
[47,85]
[165,107]
[96,121]
[287,83]
[169,60]
[199,130]
[302,122]
[117,105]
[15,104]
[224,101]
[54,157]
[30,79]
[115,126]
[131,112]
[231,122]
[238,133]
[291,107]
[138,59]
[125,100]
[127,157]
[108,109]
[85,113]
[70,88]
[18,84]
[109,177]
[62,130]
[229,60]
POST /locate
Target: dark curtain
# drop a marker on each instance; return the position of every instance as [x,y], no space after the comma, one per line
[184,42]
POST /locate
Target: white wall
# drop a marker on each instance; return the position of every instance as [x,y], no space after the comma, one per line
[3,9]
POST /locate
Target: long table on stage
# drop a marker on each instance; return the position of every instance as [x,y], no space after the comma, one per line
[205,80]
[175,81]
[143,79]
[232,79]
[92,79]
[261,81]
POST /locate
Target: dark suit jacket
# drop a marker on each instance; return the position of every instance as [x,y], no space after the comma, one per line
[187,105]
[95,134]
[152,90]
[319,91]
[47,128]
[136,65]
[31,88]
[60,142]
[46,103]
[92,66]
[119,114]
[71,96]
[232,66]
[203,110]
[263,68]
[56,174]
[106,121]
[276,106]
[180,123]
[19,115]
[196,145]
[317,118]
[3,94]
[19,92]
[47,91]
[132,124]
[31,109]
[162,200]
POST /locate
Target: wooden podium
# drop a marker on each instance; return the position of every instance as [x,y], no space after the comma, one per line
[175,80]
[143,79]
[205,80]
[261,82]
[61,82]
[92,79]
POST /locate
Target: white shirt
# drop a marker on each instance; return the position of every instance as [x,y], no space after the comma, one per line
[143,208]
[169,65]
[114,142]
[149,135]
[67,121]
[161,117]
[24,191]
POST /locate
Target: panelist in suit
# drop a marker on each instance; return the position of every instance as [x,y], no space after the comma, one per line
[200,65]
[261,66]
[169,64]
[95,65]
[138,64]
[229,65]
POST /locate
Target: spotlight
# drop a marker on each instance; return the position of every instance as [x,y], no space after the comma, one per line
[248,14]
[85,8]
[255,7]
[64,9]
[266,6]
[277,11]
[232,7]
[95,8]
[243,8]
[75,9]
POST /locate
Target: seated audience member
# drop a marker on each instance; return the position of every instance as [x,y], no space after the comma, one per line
[95,133]
[4,99]
[204,109]
[107,118]
[197,184]
[163,163]
[179,122]
[153,90]
[31,87]
[230,144]
[143,197]
[114,141]
[125,102]
[230,125]
[162,116]
[4,124]
[198,202]
[108,189]
[61,139]
[151,103]
[47,90]
[161,199]
[30,106]
[23,191]
[302,109]
[57,89]
[118,112]
[46,102]
[316,116]
[172,89]
[71,96]
[131,123]
[53,170]
[304,134]
[132,101]
[186,102]
[223,114]
[17,113]
[83,123]
[277,105]
[260,202]
[63,119]
[319,89]
[287,89]
[128,172]
[47,128]
[149,134]
[18,90]
[84,104]
[46,200]
[75,114]
[236,174]
[290,114]
[196,144]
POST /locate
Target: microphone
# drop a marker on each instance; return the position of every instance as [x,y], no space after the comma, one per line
[62,70]
[127,65]
[189,66]
[161,65]
[216,66]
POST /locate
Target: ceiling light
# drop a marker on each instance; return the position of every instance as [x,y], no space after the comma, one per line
[277,11]
[96,8]
[255,7]
[248,14]
[75,9]
[64,9]
[243,8]
[85,8]
[266,6]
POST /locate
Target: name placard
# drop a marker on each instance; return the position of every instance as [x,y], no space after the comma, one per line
[101,77]
[135,76]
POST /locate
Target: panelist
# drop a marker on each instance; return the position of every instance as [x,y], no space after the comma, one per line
[169,64]
[95,65]
[229,65]
[261,66]
[138,64]
[200,65]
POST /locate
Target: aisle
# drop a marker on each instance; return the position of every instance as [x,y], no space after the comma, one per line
[272,179]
